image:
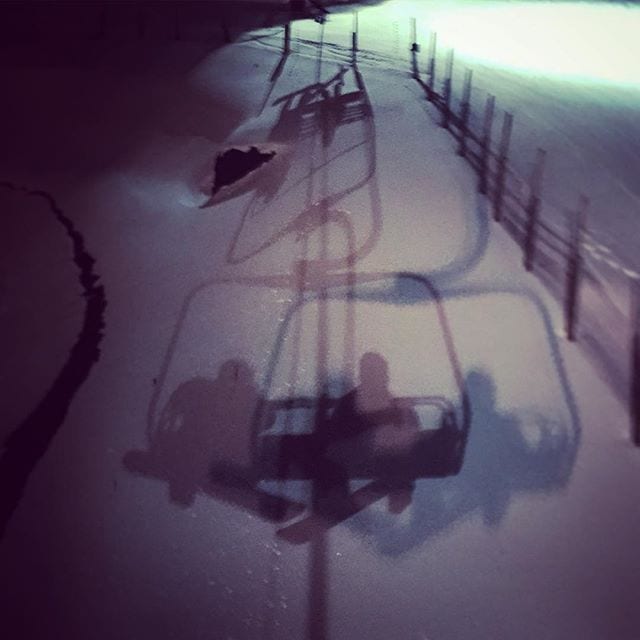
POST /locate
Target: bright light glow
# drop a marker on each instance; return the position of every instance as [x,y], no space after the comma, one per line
[578,41]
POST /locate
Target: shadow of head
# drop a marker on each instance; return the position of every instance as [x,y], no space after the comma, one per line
[374,371]
[481,390]
[236,372]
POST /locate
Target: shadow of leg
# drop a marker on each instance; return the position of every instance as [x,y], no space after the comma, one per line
[238,486]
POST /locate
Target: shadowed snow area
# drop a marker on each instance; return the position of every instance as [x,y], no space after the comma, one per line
[332,405]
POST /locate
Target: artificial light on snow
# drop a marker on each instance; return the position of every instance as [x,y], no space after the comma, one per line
[576,41]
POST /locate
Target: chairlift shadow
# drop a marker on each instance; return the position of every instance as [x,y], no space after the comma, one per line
[332,450]
[318,109]
[216,438]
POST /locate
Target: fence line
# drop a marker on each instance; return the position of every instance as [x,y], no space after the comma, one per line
[557,258]
[568,261]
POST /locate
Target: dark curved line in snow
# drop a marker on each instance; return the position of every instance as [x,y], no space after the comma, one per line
[24,446]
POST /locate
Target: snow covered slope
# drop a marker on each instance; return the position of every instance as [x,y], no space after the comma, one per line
[258,317]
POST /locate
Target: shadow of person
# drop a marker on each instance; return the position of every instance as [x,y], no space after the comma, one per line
[508,454]
[368,423]
[490,468]
[372,420]
[369,434]
[204,442]
[511,452]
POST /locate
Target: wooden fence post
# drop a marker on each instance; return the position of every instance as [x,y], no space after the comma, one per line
[446,112]
[507,125]
[532,209]
[485,147]
[464,112]
[574,268]
[634,373]
[432,65]
[286,48]
[354,35]
[415,48]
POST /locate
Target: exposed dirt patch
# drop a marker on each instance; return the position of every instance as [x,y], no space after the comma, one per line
[234,164]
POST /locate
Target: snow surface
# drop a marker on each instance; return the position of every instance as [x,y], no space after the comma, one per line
[365,233]
[564,69]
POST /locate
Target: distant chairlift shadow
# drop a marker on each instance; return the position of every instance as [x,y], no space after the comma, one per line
[318,109]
